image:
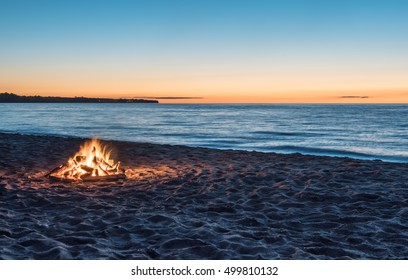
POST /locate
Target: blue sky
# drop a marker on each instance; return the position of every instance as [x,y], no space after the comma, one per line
[271,43]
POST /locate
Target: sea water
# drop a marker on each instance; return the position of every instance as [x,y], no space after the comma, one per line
[358,131]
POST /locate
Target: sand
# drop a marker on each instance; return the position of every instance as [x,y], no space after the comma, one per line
[196,203]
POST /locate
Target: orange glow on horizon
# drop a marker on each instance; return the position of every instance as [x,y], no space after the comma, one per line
[291,85]
[279,87]
[364,97]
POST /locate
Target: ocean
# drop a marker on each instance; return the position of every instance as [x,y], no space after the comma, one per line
[356,131]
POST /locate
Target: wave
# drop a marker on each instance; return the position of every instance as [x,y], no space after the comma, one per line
[337,153]
[364,132]
[284,133]
[239,145]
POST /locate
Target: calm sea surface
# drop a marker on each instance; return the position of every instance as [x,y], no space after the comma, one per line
[358,131]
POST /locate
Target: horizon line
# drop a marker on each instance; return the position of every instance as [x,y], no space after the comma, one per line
[239,99]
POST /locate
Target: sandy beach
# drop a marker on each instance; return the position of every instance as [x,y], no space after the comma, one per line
[196,203]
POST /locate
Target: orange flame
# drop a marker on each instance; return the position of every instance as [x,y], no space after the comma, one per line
[92,160]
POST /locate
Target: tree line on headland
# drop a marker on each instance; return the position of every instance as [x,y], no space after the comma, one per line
[14,98]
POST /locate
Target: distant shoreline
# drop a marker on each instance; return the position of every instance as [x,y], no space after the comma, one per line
[14,98]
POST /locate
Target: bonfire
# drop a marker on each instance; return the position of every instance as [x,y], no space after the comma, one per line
[91,163]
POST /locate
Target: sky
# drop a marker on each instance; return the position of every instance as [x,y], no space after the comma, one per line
[205,51]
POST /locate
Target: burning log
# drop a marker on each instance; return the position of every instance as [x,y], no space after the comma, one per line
[103,178]
[104,171]
[54,170]
[80,158]
[92,163]
[86,168]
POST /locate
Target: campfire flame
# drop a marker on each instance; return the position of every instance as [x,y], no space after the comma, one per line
[91,163]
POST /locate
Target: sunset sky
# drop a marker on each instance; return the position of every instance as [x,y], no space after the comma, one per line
[215,51]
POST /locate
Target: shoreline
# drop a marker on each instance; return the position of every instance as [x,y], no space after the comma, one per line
[182,202]
[336,153]
[6,97]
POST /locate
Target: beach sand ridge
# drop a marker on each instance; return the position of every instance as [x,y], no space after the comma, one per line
[195,203]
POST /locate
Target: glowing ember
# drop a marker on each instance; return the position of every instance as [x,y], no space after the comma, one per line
[91,163]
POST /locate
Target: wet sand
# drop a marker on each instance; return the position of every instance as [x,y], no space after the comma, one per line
[194,203]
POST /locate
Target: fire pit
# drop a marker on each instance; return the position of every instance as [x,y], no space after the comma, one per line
[91,163]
